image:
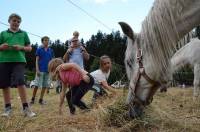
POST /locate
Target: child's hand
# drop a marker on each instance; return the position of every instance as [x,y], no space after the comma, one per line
[18,47]
[86,78]
[83,49]
[58,68]
[113,92]
[4,46]
[69,51]
[38,73]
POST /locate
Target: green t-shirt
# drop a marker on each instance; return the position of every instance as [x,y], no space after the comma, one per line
[20,38]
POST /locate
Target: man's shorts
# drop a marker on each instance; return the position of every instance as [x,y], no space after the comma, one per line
[42,81]
[12,74]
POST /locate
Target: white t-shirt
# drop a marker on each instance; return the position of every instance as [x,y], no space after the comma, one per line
[99,76]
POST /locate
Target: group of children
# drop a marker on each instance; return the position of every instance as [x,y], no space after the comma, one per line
[70,70]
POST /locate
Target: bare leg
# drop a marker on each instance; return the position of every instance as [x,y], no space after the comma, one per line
[62,97]
[47,90]
[196,82]
[6,95]
[26,109]
[22,93]
[7,101]
[42,93]
[35,91]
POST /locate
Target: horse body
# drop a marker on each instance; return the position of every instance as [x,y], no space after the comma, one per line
[167,22]
[189,55]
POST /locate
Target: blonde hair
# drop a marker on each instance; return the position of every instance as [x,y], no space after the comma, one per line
[75,33]
[102,58]
[53,64]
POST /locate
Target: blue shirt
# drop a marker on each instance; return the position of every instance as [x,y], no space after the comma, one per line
[44,57]
[77,57]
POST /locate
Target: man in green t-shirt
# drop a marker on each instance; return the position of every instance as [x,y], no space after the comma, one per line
[13,45]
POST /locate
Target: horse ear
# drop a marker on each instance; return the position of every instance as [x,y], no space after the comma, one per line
[127,30]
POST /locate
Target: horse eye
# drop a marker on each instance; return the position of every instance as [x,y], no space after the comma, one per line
[128,62]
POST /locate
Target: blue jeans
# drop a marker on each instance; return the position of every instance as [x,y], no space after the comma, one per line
[98,91]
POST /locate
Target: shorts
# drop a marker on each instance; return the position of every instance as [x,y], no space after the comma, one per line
[12,74]
[42,81]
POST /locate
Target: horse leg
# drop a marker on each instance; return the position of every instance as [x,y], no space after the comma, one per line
[196,82]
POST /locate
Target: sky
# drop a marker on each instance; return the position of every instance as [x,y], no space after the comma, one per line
[59,18]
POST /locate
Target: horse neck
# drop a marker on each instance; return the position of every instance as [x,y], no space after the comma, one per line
[179,59]
[187,55]
[167,22]
[186,15]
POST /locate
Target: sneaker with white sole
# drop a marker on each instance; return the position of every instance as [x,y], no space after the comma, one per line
[7,112]
[42,102]
[27,112]
[32,102]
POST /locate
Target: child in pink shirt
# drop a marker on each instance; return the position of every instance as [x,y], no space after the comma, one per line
[79,81]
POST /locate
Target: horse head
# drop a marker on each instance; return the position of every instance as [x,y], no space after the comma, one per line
[142,86]
[148,53]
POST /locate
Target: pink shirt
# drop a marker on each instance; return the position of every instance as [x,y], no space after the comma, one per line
[71,77]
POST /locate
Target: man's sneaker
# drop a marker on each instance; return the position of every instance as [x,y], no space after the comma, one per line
[42,102]
[7,112]
[27,112]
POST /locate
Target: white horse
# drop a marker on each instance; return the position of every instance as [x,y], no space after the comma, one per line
[167,22]
[189,55]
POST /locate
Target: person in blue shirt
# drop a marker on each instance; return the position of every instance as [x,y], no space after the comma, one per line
[43,55]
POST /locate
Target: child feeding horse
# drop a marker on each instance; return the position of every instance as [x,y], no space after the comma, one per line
[71,75]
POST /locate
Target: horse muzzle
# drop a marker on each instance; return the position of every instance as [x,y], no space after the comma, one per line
[137,106]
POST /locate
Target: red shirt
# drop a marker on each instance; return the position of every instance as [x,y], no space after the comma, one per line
[71,77]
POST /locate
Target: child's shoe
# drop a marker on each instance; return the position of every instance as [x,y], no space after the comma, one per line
[7,112]
[27,112]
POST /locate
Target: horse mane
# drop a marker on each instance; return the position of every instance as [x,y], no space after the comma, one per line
[186,39]
[160,36]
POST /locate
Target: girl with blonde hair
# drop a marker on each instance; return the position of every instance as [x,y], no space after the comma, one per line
[101,76]
[73,76]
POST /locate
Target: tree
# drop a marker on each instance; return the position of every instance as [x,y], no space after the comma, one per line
[58,48]
[30,58]
[197,31]
[113,45]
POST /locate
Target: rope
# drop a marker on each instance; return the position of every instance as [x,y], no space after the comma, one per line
[27,32]
[61,42]
[88,14]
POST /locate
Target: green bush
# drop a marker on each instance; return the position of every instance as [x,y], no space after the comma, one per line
[184,76]
[30,75]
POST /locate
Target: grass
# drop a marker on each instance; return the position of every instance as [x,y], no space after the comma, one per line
[173,111]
